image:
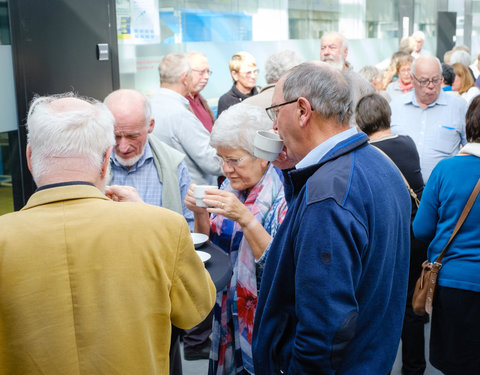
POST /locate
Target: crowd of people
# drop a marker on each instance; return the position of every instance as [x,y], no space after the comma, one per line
[98,270]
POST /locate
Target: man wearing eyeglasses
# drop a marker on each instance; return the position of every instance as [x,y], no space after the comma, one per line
[200,73]
[177,125]
[433,119]
[334,284]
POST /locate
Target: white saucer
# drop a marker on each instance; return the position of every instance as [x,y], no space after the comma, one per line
[199,239]
[203,255]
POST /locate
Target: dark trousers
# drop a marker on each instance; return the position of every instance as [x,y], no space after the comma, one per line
[413,336]
[455,335]
[175,355]
[413,343]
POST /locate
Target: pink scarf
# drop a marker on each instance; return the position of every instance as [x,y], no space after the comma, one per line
[405,87]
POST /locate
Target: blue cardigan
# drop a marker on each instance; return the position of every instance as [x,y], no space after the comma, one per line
[444,197]
[334,287]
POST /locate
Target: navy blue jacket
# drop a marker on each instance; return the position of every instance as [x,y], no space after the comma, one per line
[333,291]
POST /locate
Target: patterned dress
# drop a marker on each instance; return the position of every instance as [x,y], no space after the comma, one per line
[234,310]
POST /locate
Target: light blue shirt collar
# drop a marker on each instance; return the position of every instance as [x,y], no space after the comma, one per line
[314,156]
[411,98]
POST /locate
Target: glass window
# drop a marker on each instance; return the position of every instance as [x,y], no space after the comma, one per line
[475,30]
[8,150]
[381,19]
[9,156]
[4,27]
[150,29]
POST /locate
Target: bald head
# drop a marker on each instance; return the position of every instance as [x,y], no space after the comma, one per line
[133,124]
[427,79]
[125,101]
[69,104]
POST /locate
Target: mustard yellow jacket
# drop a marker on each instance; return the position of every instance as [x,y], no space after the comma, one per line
[91,286]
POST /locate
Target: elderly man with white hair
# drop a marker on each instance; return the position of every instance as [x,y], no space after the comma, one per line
[419,37]
[334,51]
[88,285]
[139,159]
[316,313]
[177,125]
[200,73]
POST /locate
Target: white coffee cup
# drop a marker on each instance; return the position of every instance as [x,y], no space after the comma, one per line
[199,193]
[267,145]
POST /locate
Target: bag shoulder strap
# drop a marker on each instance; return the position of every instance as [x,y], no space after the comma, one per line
[410,190]
[461,219]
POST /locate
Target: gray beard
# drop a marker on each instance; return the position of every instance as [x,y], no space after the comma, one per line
[337,64]
[130,162]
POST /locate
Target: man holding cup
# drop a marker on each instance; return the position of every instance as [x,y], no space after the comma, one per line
[334,286]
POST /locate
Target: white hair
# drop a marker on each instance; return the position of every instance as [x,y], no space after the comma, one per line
[236,127]
[419,34]
[460,56]
[85,132]
[370,72]
[172,67]
[279,63]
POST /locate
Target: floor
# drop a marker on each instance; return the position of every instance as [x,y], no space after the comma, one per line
[201,367]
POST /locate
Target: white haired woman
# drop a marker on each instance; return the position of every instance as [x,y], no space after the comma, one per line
[242,217]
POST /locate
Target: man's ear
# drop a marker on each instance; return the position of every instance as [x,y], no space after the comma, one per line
[105,162]
[151,126]
[184,79]
[304,111]
[29,158]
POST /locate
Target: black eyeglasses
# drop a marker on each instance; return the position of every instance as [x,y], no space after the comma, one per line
[272,111]
[426,82]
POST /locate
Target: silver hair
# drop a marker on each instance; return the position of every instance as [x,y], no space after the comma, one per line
[460,56]
[172,67]
[279,63]
[419,34]
[369,72]
[147,107]
[407,44]
[359,87]
[326,88]
[236,127]
[86,133]
[424,57]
